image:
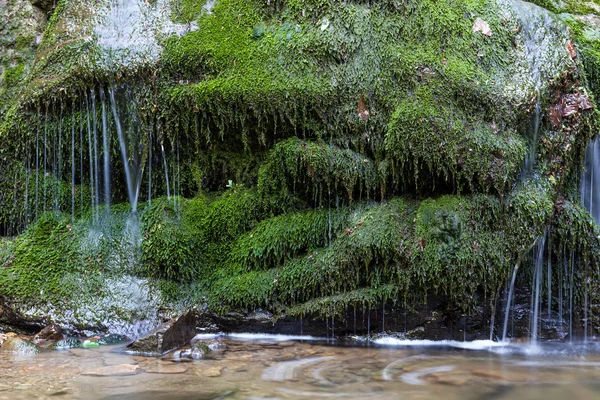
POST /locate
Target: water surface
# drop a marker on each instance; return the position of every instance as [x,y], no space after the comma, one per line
[278,367]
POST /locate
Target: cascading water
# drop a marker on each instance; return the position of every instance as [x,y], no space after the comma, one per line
[590,180]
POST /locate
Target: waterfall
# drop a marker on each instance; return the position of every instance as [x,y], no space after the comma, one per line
[590,180]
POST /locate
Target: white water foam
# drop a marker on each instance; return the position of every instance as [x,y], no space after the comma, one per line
[474,345]
[255,336]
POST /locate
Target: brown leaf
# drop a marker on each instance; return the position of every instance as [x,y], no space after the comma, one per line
[363,112]
[555,115]
[571,49]
[568,105]
[584,103]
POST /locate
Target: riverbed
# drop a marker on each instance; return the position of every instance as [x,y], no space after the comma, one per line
[280,367]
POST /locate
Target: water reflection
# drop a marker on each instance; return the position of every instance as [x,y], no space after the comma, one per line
[276,367]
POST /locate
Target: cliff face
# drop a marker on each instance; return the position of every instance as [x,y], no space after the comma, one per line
[316,156]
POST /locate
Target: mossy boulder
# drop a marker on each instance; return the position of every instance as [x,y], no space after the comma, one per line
[315,156]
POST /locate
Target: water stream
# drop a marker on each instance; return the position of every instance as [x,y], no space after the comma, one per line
[280,367]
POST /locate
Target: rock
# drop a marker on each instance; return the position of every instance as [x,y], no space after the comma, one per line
[199,350]
[211,372]
[447,379]
[20,346]
[114,370]
[67,344]
[166,368]
[5,336]
[112,339]
[166,337]
[52,332]
[483,27]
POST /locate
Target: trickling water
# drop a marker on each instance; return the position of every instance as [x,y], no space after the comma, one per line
[539,262]
[95,135]
[131,153]
[508,301]
[105,151]
[571,297]
[162,148]
[37,168]
[73,167]
[549,277]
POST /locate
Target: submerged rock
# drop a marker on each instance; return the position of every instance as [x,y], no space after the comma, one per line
[70,343]
[166,337]
[112,339]
[114,370]
[20,346]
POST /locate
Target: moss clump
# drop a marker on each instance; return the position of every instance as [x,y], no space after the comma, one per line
[279,239]
[169,247]
[13,75]
[40,260]
[368,251]
[299,168]
[425,138]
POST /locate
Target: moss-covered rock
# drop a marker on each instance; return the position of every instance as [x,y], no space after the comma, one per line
[316,155]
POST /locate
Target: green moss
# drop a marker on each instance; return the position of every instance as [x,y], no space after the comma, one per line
[12,76]
[276,240]
[169,247]
[425,138]
[373,240]
[40,260]
[315,170]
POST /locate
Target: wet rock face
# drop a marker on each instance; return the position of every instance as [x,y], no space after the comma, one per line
[21,29]
[167,337]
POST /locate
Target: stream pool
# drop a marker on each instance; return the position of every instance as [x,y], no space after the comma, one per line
[280,367]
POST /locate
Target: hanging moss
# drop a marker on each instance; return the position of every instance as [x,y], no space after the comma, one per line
[169,247]
[315,172]
[276,240]
[425,138]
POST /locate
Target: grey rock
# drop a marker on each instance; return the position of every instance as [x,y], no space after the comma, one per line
[169,336]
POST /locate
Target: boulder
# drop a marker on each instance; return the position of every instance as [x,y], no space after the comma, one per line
[21,346]
[169,336]
[52,332]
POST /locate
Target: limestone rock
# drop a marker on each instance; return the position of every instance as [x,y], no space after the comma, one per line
[167,337]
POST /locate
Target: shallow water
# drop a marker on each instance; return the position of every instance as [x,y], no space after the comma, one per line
[266,367]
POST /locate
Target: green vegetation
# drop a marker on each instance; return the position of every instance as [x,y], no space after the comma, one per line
[324,154]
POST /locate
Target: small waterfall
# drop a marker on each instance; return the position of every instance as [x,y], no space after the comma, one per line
[590,179]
